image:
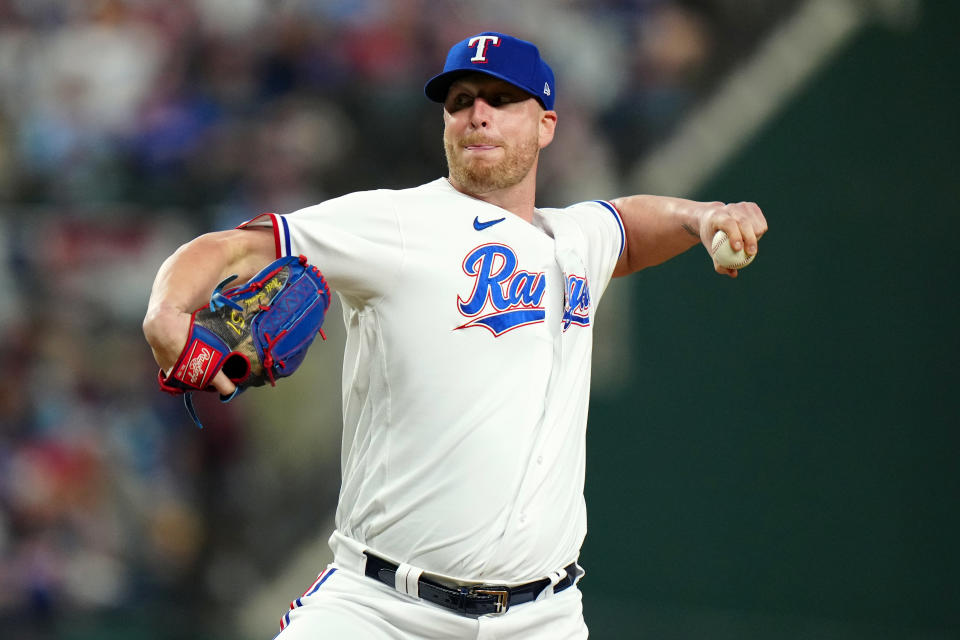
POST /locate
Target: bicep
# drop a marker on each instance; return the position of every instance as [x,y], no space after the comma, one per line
[186,278]
[247,250]
[623,267]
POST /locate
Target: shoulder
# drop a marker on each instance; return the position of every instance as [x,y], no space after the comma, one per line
[592,219]
[438,190]
[586,214]
[579,210]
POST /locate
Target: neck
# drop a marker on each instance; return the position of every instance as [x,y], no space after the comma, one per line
[518,199]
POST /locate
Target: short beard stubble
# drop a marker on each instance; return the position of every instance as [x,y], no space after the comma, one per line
[482,177]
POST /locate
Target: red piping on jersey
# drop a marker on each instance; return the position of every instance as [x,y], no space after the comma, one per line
[273,225]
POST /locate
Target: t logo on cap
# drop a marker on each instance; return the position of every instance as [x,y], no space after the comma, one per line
[516,61]
[481,42]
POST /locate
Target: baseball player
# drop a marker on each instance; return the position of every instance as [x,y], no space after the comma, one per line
[469,315]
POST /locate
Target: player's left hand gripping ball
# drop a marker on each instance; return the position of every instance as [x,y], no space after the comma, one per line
[255,333]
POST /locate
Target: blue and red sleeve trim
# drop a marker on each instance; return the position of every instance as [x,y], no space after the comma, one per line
[281,231]
[616,214]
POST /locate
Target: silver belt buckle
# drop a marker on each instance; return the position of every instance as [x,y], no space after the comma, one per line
[502,594]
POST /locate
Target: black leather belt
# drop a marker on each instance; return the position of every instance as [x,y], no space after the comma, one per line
[478,600]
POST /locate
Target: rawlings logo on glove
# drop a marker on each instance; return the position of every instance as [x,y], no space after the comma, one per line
[255,333]
[197,365]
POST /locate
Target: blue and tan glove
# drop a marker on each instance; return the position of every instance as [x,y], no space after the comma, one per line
[256,333]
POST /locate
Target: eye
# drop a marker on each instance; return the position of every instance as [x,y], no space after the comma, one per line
[459,101]
[506,98]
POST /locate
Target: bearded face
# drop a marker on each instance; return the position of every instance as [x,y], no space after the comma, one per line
[493,133]
[480,163]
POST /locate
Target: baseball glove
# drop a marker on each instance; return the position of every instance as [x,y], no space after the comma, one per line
[255,333]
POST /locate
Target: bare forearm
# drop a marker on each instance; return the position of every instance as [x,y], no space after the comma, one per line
[661,227]
[658,228]
[187,278]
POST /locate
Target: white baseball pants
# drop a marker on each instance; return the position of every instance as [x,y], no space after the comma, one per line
[346,605]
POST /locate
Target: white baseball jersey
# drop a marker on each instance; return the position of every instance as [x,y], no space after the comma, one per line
[466,373]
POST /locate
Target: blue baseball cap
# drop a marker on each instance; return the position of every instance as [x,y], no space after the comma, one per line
[501,56]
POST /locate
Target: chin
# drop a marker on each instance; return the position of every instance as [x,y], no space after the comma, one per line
[482,175]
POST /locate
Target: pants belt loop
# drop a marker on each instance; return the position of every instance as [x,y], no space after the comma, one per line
[407,580]
[555,577]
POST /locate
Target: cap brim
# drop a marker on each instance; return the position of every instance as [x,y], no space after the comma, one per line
[437,87]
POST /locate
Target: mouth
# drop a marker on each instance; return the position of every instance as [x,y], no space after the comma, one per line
[480,149]
[478,145]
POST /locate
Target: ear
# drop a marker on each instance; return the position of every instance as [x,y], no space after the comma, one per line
[548,125]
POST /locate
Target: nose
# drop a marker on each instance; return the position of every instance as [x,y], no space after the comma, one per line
[482,113]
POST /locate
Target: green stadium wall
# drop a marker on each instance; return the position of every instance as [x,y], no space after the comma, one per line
[786,463]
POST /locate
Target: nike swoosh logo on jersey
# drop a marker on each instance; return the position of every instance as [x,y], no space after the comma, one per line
[480,226]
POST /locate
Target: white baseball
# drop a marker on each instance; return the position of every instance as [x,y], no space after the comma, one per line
[724,254]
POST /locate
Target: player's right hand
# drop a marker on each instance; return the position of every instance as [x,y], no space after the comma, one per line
[743,222]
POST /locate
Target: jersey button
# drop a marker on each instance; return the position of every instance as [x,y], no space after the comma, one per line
[539,459]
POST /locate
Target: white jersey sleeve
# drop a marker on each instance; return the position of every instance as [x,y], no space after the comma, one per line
[355,240]
[593,231]
[606,238]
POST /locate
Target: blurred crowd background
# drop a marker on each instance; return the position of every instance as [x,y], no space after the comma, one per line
[129,126]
